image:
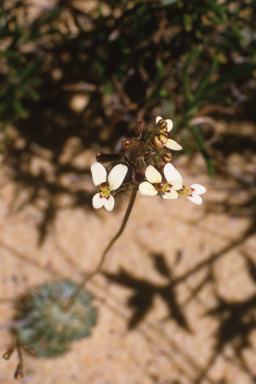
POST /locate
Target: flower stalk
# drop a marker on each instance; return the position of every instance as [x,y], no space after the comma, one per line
[109,246]
[152,174]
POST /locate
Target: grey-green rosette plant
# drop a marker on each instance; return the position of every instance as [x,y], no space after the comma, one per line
[51,324]
[49,318]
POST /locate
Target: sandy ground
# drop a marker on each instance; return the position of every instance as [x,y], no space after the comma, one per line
[177,292]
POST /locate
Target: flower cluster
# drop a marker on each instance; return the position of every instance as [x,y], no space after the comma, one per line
[162,178]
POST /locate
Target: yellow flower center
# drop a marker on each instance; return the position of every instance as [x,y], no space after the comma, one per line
[105,192]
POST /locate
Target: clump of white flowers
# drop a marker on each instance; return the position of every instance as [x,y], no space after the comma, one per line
[152,172]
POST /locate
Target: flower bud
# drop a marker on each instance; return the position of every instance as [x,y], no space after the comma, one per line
[8,353]
[19,374]
[166,157]
[160,140]
[29,349]
[140,127]
[130,142]
[138,176]
[162,124]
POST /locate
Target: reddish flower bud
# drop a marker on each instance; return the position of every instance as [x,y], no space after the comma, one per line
[140,127]
[160,140]
[8,353]
[130,142]
[166,157]
[162,124]
[31,350]
[138,176]
[19,374]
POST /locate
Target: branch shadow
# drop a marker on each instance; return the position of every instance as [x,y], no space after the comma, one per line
[236,320]
[141,301]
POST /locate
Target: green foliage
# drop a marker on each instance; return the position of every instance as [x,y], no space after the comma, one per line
[132,56]
[51,324]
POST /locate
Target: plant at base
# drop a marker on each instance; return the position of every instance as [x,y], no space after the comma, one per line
[51,327]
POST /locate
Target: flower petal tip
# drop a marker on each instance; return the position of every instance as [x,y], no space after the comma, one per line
[116,176]
[147,189]
[99,173]
[196,199]
[152,175]
[172,144]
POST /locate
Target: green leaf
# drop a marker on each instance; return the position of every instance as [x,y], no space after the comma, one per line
[188,22]
[160,69]
[204,151]
[30,70]
[13,56]
[165,3]
[206,79]
[229,76]
[195,53]
[21,111]
[216,8]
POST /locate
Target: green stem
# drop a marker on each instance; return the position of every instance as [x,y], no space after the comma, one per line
[110,244]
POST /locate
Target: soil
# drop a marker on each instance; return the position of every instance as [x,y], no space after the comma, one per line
[177,292]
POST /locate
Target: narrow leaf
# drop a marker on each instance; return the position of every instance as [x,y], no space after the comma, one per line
[195,53]
[216,8]
[204,151]
[229,76]
[206,79]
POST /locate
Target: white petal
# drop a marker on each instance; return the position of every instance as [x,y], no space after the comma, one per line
[196,199]
[99,173]
[116,176]
[198,189]
[109,203]
[97,201]
[169,125]
[158,119]
[172,195]
[176,185]
[171,173]
[152,175]
[147,189]
[172,144]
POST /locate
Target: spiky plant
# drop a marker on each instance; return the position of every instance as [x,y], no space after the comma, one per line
[51,324]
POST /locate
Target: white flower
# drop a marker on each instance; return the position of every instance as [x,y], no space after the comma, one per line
[196,190]
[106,185]
[169,123]
[192,192]
[154,184]
[171,144]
